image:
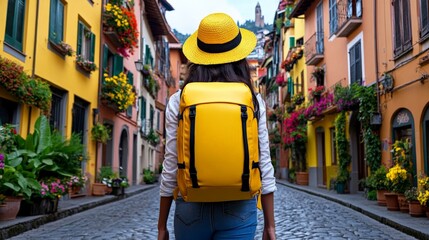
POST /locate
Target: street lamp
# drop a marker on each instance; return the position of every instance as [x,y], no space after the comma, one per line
[139,65]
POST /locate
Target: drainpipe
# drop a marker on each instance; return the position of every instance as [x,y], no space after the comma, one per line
[33,68]
[376,55]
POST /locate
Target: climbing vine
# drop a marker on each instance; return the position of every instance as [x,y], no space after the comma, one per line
[342,145]
[367,107]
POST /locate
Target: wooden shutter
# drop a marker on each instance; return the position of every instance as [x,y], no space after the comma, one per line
[352,65]
[118,65]
[142,109]
[291,42]
[130,79]
[397,27]
[60,21]
[358,63]
[92,50]
[52,20]
[105,63]
[406,19]
[20,23]
[80,35]
[424,18]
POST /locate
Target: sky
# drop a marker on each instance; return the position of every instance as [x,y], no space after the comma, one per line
[187,14]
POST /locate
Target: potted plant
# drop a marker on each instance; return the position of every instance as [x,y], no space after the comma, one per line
[316,93]
[319,74]
[28,90]
[123,22]
[148,176]
[118,92]
[76,183]
[100,133]
[103,181]
[119,185]
[85,64]
[46,200]
[416,209]
[397,183]
[344,98]
[377,180]
[297,99]
[423,196]
[153,137]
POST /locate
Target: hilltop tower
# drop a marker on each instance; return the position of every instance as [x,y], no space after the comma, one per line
[259,19]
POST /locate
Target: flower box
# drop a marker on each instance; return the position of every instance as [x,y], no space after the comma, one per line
[111,105]
[58,48]
[113,38]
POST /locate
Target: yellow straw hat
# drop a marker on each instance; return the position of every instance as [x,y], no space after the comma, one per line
[218,40]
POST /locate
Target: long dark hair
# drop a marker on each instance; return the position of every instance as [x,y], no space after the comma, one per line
[238,71]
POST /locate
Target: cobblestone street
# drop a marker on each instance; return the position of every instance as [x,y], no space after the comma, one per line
[298,216]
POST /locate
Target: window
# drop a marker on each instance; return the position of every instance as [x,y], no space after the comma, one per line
[319,27]
[56,21]
[8,111]
[152,116]
[113,64]
[424,15]
[148,56]
[85,42]
[79,117]
[143,113]
[56,117]
[15,23]
[333,16]
[356,63]
[402,26]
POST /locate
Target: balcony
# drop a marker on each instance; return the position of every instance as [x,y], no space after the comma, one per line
[314,49]
[349,16]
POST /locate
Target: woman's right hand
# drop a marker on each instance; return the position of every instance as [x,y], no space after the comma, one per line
[269,234]
[163,235]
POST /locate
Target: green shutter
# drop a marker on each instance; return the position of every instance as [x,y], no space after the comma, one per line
[52,20]
[80,28]
[152,112]
[60,21]
[91,53]
[130,81]
[20,23]
[142,108]
[15,23]
[118,65]
[291,42]
[105,59]
[130,77]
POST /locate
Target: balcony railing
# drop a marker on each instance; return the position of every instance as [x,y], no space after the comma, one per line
[314,49]
[349,16]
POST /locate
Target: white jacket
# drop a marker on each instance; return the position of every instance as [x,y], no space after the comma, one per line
[169,170]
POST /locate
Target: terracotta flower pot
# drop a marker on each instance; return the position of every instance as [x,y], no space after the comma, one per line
[416,209]
[98,189]
[392,201]
[381,199]
[10,209]
[302,178]
[403,203]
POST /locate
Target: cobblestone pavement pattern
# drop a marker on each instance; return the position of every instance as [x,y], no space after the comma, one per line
[298,216]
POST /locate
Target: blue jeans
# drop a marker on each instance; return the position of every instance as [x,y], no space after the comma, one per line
[215,221]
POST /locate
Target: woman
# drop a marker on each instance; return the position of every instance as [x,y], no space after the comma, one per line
[217,52]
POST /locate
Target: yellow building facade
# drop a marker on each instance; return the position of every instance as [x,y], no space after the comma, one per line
[39,36]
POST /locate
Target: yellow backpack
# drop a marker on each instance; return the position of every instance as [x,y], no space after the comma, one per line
[217,143]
